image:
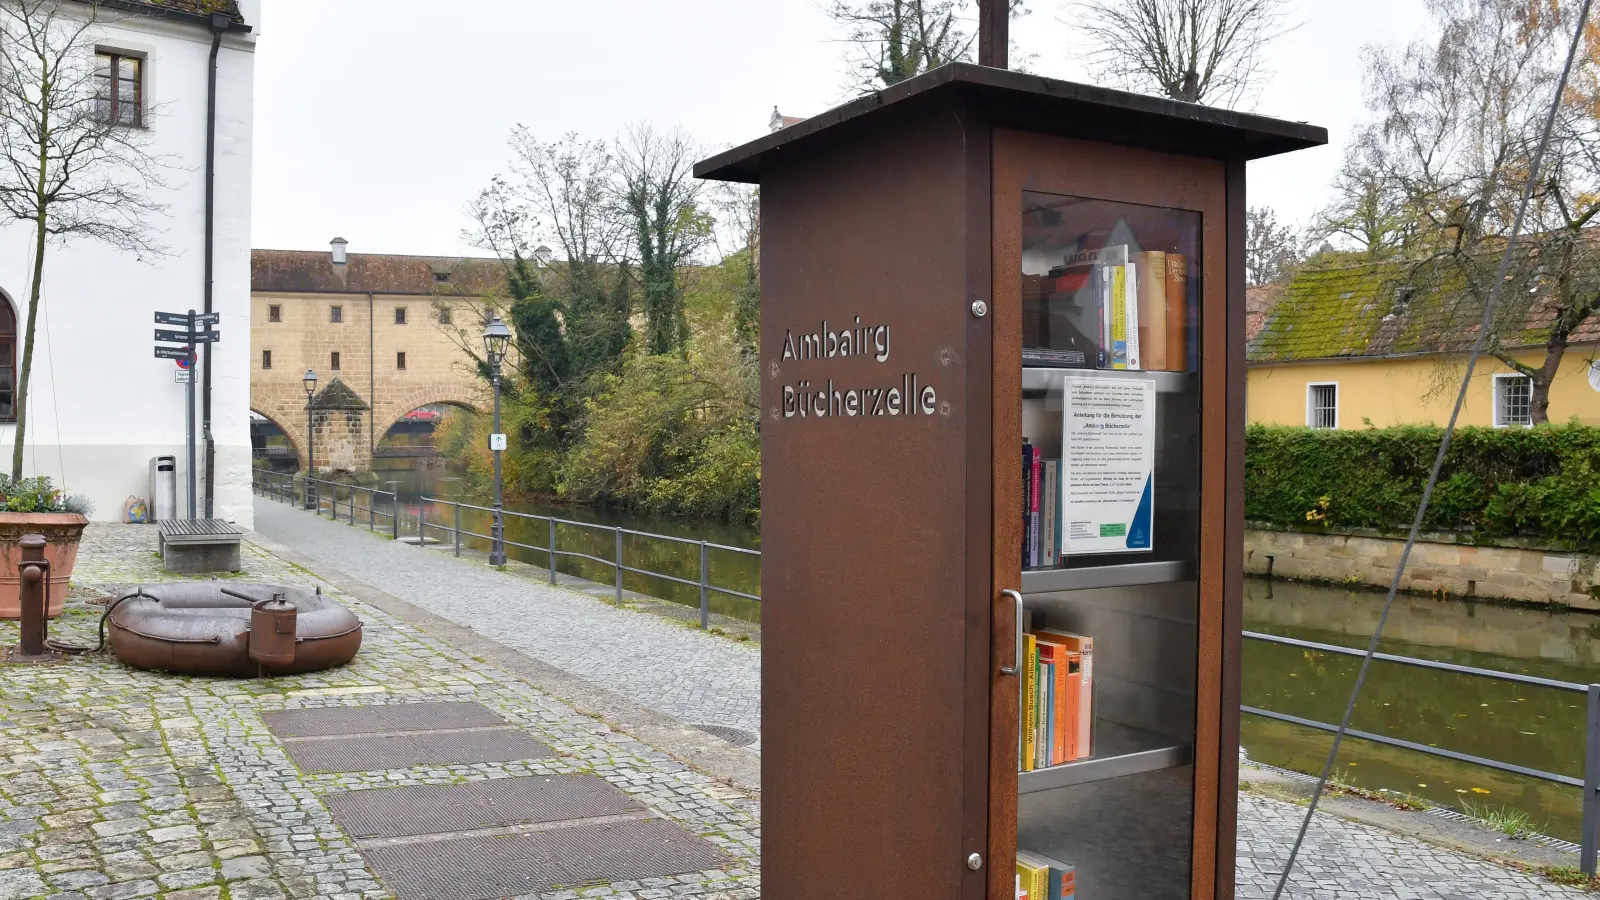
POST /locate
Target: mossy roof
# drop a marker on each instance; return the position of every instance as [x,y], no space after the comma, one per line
[194,8]
[1366,311]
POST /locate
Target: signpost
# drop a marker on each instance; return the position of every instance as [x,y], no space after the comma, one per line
[189,337]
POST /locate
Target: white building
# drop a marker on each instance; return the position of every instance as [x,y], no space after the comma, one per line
[100,404]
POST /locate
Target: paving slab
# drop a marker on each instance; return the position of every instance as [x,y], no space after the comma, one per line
[435,809]
[385,718]
[482,867]
[381,752]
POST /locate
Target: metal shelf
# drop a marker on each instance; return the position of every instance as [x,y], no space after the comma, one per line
[1043,581]
[1039,379]
[1120,751]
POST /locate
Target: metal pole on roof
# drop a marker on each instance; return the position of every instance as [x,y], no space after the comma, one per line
[994,33]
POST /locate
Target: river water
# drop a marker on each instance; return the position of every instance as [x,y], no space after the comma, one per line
[1537,727]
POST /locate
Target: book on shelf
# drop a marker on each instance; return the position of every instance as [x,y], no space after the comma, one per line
[1030,708]
[1050,514]
[1177,337]
[1112,308]
[1042,533]
[1022,893]
[1083,645]
[1045,878]
[1054,657]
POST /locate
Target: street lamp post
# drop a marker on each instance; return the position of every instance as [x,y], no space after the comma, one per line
[309,381]
[496,338]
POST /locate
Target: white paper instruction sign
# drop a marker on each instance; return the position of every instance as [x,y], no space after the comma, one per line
[1108,452]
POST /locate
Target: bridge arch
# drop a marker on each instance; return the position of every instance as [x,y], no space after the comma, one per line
[295,435]
[387,414]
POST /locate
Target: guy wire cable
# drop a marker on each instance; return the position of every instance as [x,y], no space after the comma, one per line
[1444,446]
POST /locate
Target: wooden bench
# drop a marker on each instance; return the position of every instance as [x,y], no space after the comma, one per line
[197,546]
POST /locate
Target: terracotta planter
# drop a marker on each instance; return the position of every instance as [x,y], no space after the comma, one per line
[62,532]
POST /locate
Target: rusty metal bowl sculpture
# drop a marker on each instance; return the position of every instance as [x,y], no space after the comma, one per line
[228,629]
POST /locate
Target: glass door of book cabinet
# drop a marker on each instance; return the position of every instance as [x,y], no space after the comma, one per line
[1110,484]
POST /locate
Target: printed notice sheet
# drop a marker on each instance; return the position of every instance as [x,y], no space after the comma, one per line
[1108,452]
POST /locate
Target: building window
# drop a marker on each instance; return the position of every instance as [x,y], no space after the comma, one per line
[1322,405]
[335,314]
[274,313]
[333,363]
[400,360]
[8,362]
[1513,401]
[399,315]
[266,359]
[118,88]
[444,315]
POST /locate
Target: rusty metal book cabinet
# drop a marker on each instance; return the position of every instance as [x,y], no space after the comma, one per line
[940,275]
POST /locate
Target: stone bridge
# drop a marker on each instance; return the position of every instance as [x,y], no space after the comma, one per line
[384,334]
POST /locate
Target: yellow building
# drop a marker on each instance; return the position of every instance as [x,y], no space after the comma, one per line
[1343,348]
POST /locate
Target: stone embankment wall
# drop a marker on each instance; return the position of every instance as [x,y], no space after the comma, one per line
[1523,573]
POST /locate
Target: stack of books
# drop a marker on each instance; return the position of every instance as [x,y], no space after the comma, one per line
[1057,698]
[1112,308]
[1042,878]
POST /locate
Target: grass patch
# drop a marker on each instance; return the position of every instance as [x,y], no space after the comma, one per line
[1513,823]
[1570,876]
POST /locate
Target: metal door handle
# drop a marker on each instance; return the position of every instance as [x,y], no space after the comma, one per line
[1016,658]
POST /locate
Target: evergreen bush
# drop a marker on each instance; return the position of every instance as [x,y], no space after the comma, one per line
[1539,483]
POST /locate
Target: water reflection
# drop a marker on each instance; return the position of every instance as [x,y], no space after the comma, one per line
[1531,726]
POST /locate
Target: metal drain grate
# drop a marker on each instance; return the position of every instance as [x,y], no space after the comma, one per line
[387,717]
[734,736]
[485,867]
[434,809]
[375,752]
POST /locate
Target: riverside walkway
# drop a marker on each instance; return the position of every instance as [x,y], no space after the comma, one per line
[706,679]
[697,678]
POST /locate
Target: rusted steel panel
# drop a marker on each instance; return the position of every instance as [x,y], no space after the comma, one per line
[865,511]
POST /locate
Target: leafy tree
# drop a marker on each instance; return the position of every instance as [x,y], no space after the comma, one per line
[1368,212]
[536,322]
[661,198]
[1198,51]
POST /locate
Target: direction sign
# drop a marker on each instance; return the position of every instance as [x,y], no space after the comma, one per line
[200,319]
[182,337]
[172,353]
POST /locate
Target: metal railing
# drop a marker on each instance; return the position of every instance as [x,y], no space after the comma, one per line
[292,488]
[1589,784]
[323,495]
[617,563]
[319,494]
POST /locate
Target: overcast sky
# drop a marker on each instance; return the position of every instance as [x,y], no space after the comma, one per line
[378,120]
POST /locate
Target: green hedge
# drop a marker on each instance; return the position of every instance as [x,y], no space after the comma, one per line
[1539,483]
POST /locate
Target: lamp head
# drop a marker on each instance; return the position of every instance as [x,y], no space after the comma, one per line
[496,340]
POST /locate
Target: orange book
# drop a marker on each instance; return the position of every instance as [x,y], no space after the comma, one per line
[1177,312]
[1083,645]
[1056,655]
[1154,352]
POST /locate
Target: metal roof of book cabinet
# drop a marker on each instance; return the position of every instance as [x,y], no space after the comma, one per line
[1002,384]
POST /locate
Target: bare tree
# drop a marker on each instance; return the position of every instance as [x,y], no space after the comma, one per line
[662,198]
[1458,121]
[1368,212]
[1272,249]
[738,233]
[892,40]
[1199,51]
[73,165]
[566,191]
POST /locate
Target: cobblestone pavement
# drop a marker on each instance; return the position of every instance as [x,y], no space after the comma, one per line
[1344,860]
[1340,861]
[116,783]
[698,678]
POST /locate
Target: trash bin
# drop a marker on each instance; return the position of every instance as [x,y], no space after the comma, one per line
[163,488]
